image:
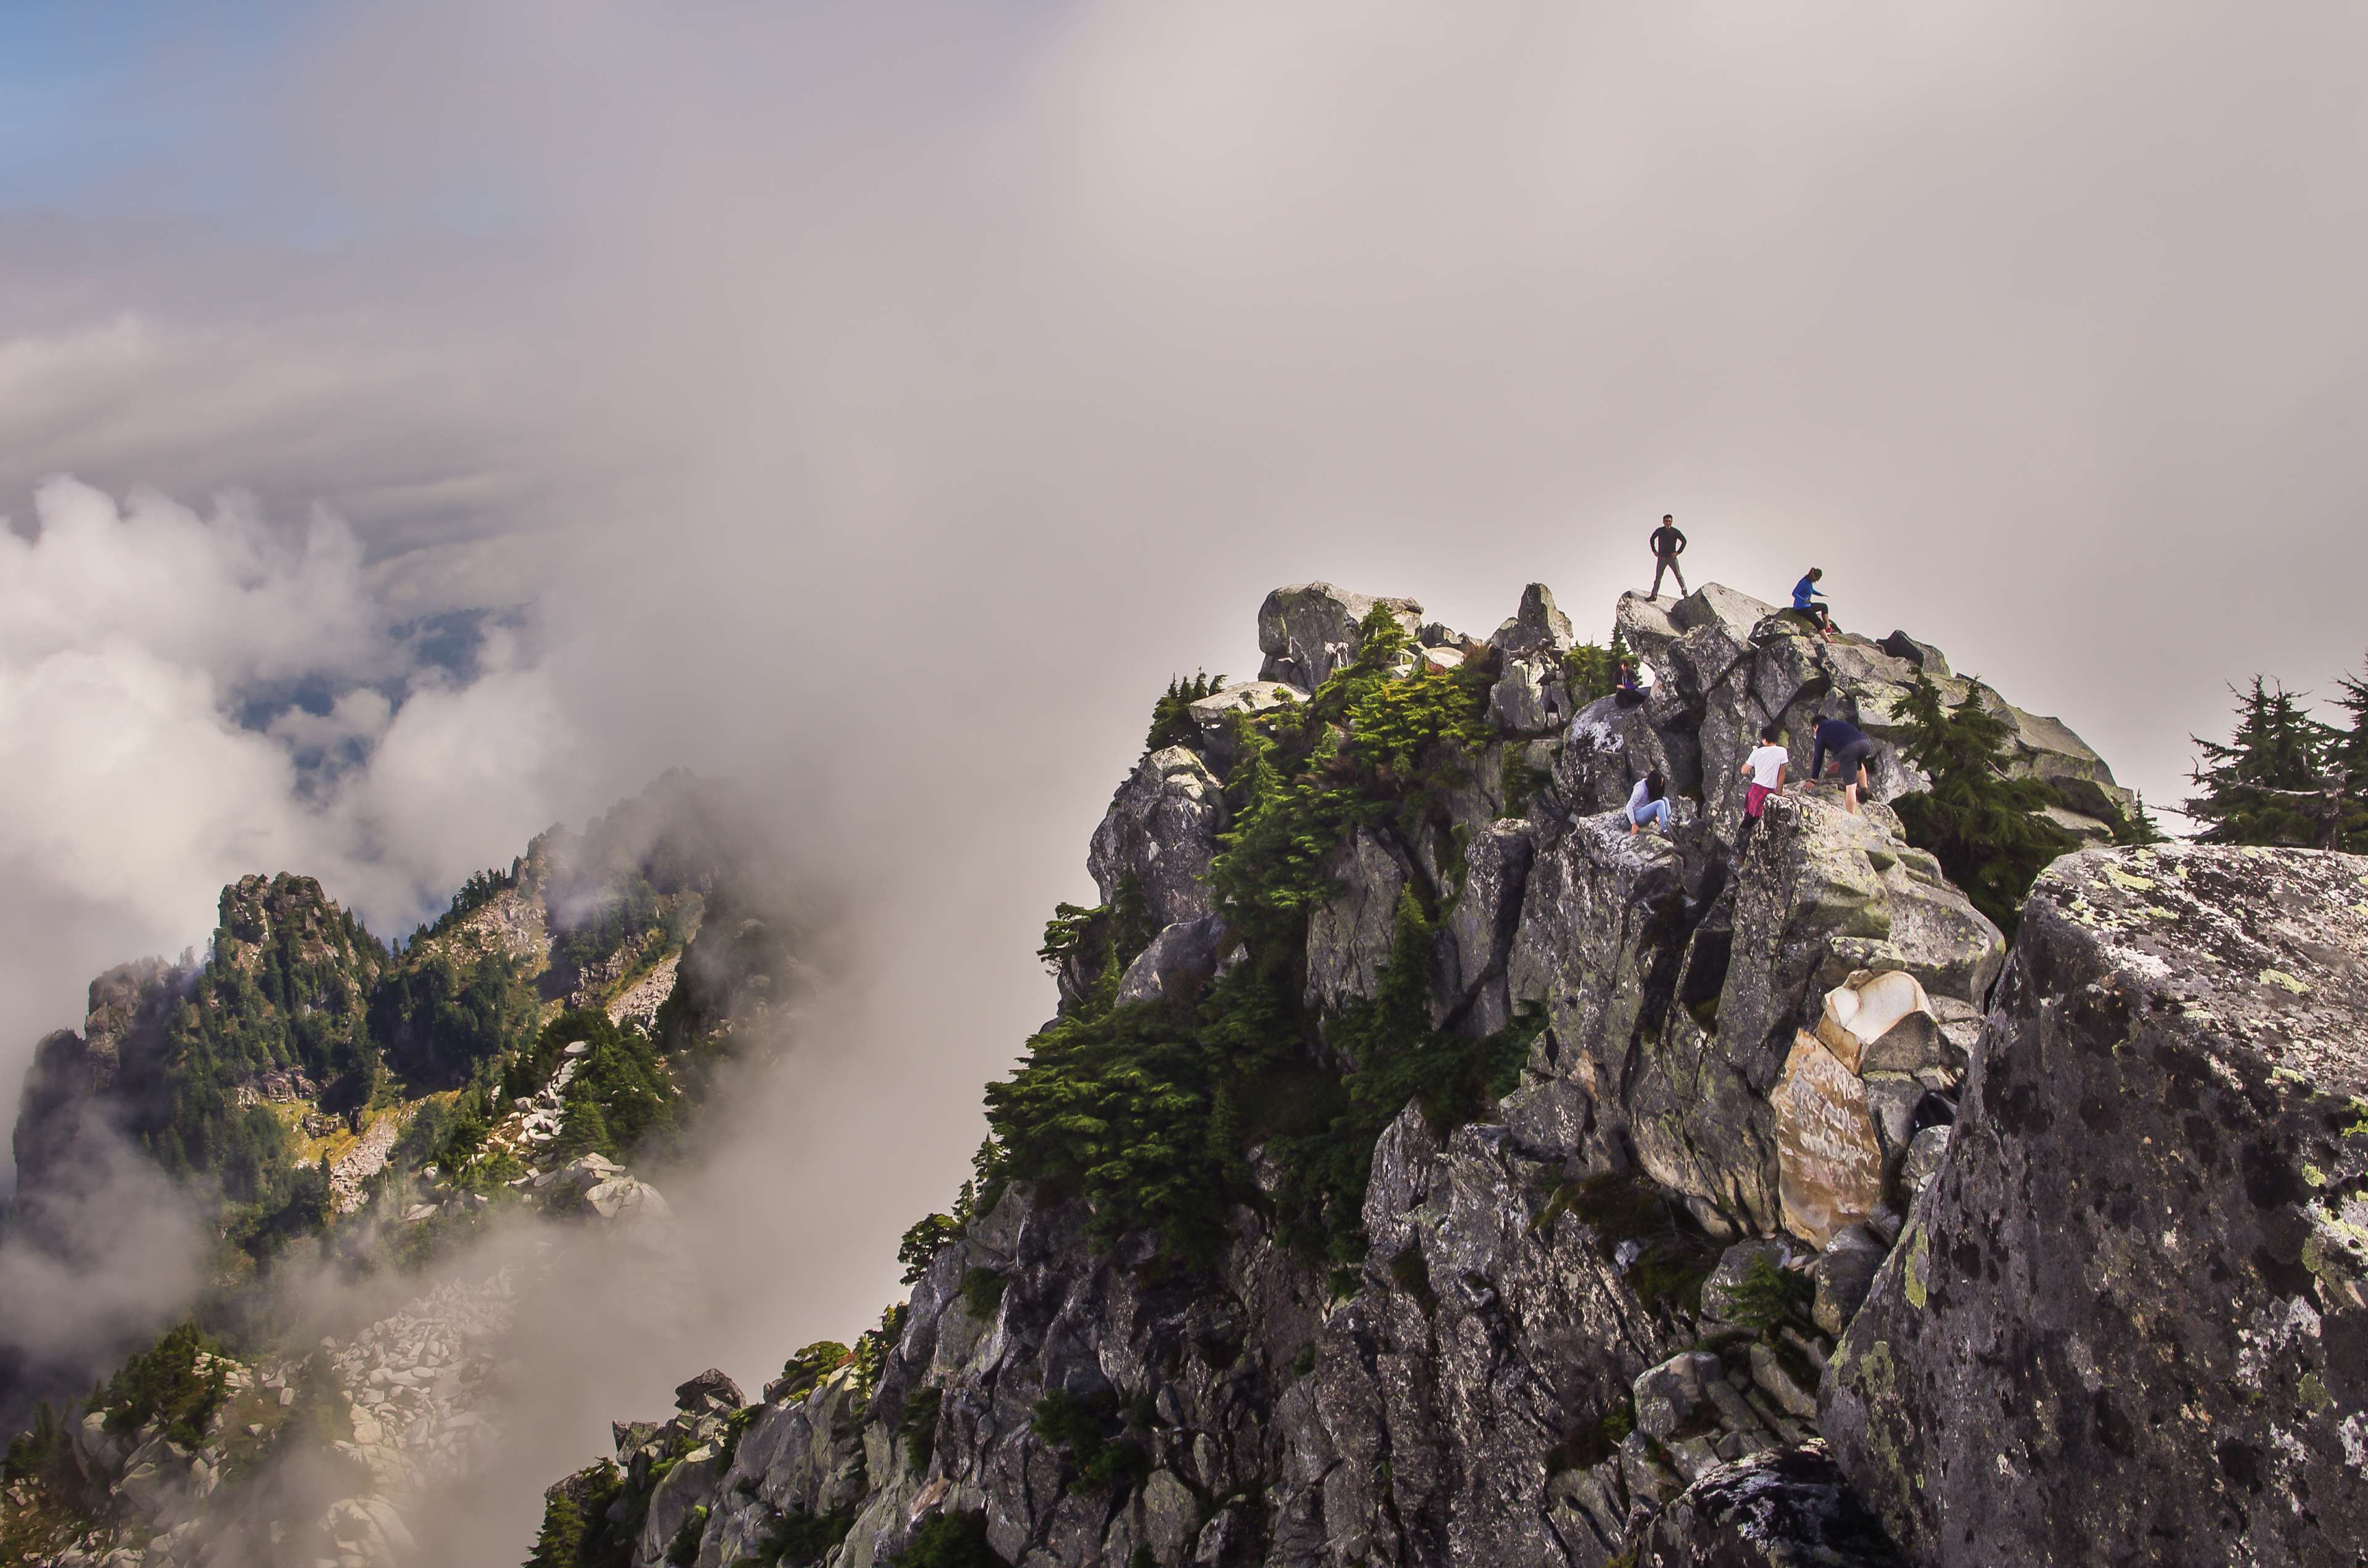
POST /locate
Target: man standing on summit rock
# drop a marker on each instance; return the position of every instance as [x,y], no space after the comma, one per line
[1667,545]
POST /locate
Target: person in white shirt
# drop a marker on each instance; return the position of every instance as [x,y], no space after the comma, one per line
[1765,768]
[1649,803]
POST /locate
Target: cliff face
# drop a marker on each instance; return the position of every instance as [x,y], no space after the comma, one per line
[1591,1316]
[2144,1260]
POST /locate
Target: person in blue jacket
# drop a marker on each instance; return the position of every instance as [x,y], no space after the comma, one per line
[1850,747]
[1805,595]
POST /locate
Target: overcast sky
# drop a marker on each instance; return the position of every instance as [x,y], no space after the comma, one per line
[878,404]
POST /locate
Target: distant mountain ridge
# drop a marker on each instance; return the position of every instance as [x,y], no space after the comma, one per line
[289,1070]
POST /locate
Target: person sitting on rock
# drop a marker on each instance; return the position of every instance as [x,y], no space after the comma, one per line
[1805,595]
[1648,802]
[1849,748]
[1628,691]
[1667,545]
[1765,768]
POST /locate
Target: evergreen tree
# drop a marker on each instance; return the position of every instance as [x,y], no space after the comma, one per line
[1592,671]
[1988,831]
[2351,755]
[2257,788]
[2136,826]
[1171,716]
[583,1130]
[563,1532]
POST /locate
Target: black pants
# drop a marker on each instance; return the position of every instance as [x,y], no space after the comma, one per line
[1816,614]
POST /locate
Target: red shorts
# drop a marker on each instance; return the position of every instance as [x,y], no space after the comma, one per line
[1754,799]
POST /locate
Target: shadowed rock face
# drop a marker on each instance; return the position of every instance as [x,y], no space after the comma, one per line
[1787,1509]
[1160,833]
[2127,1321]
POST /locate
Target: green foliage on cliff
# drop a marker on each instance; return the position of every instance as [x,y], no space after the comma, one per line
[621,1099]
[1106,938]
[1592,671]
[921,1240]
[870,1352]
[298,1205]
[283,989]
[949,1540]
[1113,1105]
[560,1540]
[1092,1434]
[576,1530]
[625,907]
[918,1426]
[982,1291]
[480,890]
[1171,716]
[41,1450]
[1146,1112]
[801,1538]
[683,1549]
[2350,752]
[1397,1056]
[621,1083]
[801,1371]
[167,1384]
[1987,831]
[438,1015]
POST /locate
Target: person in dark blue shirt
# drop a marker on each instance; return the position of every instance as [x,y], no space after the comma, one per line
[1805,595]
[1849,748]
[1629,691]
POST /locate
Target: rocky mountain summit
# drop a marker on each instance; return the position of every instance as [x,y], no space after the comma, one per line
[1425,1169]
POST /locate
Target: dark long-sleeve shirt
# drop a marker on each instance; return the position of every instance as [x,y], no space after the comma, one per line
[1667,541]
[1833,734]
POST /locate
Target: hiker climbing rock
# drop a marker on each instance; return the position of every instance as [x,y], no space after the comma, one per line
[1649,803]
[1765,768]
[1805,595]
[1848,746]
[1667,545]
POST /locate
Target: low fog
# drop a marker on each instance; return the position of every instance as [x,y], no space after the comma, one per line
[471,411]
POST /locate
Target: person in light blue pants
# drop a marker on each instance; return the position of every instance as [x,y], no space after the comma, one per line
[1648,802]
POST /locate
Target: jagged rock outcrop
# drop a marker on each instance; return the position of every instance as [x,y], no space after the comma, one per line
[1738,664]
[1214,714]
[1531,695]
[1787,1509]
[1159,835]
[1179,962]
[2143,1256]
[1309,630]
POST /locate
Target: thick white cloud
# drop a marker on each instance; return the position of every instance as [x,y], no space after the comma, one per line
[222,594]
[151,748]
